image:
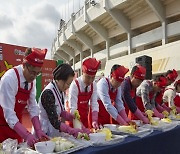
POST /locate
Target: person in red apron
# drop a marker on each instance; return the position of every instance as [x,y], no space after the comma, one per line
[83,94]
[51,103]
[171,76]
[171,97]
[146,94]
[177,100]
[111,108]
[128,88]
[18,90]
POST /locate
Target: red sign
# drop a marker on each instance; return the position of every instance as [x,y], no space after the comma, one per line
[47,70]
[10,55]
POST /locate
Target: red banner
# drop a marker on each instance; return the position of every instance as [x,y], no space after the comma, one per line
[10,55]
[47,70]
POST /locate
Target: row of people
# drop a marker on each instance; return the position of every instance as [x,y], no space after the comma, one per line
[114,99]
[104,103]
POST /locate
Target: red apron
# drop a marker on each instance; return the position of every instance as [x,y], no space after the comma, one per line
[21,101]
[139,105]
[159,97]
[103,116]
[133,96]
[83,104]
[177,101]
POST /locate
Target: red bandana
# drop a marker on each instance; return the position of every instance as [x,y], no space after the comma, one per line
[119,73]
[36,58]
[90,66]
[162,82]
[140,72]
[172,76]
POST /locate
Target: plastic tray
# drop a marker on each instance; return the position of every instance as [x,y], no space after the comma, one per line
[162,126]
[142,132]
[115,139]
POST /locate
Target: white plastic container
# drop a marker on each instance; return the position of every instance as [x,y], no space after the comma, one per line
[97,137]
[112,127]
[156,118]
[45,147]
[138,122]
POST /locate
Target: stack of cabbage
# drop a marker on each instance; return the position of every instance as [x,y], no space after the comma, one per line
[178,116]
[107,132]
[150,114]
[62,144]
[153,122]
[174,113]
[77,124]
[173,110]
[165,113]
[83,136]
[76,121]
[127,129]
[1,151]
[166,120]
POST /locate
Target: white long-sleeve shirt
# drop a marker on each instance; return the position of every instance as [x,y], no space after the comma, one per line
[73,95]
[169,95]
[103,95]
[8,91]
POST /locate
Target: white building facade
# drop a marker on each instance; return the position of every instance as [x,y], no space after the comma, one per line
[118,31]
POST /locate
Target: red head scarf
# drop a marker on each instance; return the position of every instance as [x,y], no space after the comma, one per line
[90,66]
[177,82]
[140,72]
[162,82]
[119,73]
[172,76]
[36,58]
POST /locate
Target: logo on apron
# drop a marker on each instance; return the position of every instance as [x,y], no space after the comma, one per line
[22,102]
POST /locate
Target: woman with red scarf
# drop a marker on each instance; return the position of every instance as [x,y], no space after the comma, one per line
[146,94]
[171,76]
